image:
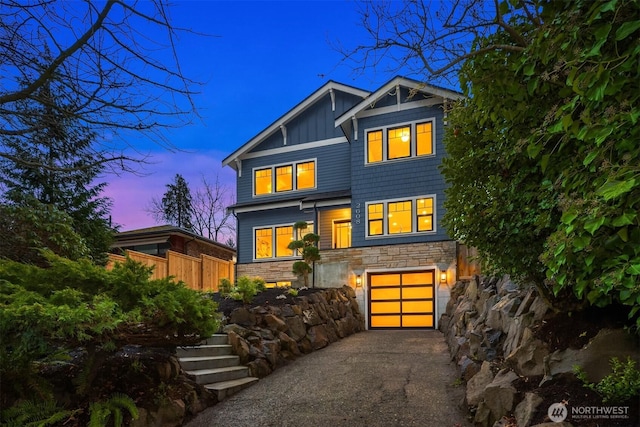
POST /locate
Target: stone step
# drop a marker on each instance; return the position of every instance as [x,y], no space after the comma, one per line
[204,350]
[208,362]
[225,389]
[209,376]
[216,339]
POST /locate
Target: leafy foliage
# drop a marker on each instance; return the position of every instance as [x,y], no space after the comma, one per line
[102,412]
[244,290]
[543,171]
[622,385]
[308,248]
[29,413]
[46,312]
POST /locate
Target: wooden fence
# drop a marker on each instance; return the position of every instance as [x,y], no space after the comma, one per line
[202,273]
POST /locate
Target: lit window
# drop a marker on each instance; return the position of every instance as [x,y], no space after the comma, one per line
[284,236]
[375,219]
[424,144]
[424,211]
[264,243]
[342,234]
[400,217]
[306,175]
[284,178]
[374,146]
[263,181]
[399,140]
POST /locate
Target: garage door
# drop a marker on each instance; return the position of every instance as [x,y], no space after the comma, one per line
[401,299]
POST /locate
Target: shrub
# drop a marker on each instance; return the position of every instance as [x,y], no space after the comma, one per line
[244,290]
[225,287]
[620,386]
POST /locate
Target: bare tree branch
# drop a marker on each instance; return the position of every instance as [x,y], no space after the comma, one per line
[110,61]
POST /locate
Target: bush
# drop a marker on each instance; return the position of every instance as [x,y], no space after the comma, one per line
[622,385]
[225,287]
[244,290]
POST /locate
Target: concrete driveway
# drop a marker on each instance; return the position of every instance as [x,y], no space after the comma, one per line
[373,378]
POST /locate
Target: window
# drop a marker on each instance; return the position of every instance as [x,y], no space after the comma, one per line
[392,143]
[400,217]
[374,146]
[282,178]
[342,234]
[273,241]
[375,218]
[262,183]
[405,216]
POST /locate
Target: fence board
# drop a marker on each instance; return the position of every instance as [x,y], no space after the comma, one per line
[201,274]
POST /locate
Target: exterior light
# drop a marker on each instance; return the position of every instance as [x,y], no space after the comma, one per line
[443,277]
[358,281]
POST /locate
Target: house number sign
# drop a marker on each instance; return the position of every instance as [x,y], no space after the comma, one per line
[356,213]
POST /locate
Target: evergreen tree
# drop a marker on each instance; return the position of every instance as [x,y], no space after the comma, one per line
[176,203]
[60,168]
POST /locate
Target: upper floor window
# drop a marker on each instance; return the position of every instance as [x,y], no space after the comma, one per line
[405,216]
[273,241]
[400,142]
[282,179]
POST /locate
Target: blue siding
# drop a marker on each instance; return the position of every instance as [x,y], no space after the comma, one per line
[247,221]
[398,179]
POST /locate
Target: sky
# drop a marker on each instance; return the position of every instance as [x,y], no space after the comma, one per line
[260,60]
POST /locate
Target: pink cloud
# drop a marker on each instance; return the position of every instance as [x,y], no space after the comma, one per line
[131,194]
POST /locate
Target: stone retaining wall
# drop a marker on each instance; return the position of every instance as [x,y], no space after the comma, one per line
[489,326]
[267,337]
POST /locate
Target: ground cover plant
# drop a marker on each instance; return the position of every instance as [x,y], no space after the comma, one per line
[53,316]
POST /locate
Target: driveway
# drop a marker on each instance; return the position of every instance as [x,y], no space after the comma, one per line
[374,378]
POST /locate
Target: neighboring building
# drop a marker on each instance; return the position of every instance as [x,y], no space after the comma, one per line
[361,168]
[158,240]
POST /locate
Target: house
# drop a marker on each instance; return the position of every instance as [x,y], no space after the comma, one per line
[160,239]
[361,168]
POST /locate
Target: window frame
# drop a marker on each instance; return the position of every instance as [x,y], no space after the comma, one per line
[413,141]
[335,234]
[414,215]
[274,241]
[274,177]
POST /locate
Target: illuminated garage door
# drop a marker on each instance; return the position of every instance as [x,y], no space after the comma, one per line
[401,300]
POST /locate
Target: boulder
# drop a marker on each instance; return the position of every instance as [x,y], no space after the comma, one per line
[170,414]
[478,383]
[311,317]
[289,344]
[528,358]
[318,337]
[297,330]
[275,323]
[500,394]
[259,368]
[242,317]
[526,409]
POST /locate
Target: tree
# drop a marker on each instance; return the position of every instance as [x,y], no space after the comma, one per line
[308,249]
[175,207]
[115,76]
[542,168]
[210,216]
[207,212]
[68,178]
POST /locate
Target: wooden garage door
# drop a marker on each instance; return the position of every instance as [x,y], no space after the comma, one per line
[401,299]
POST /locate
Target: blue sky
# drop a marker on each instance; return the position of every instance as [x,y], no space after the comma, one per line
[262,58]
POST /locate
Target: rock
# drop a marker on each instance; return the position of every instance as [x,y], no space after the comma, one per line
[528,358]
[500,394]
[240,347]
[170,414]
[311,317]
[289,344]
[297,330]
[243,317]
[243,332]
[526,409]
[471,291]
[468,368]
[478,383]
[259,368]
[275,323]
[318,337]
[271,350]
[505,286]
[482,417]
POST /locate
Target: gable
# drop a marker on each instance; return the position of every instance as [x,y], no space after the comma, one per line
[311,120]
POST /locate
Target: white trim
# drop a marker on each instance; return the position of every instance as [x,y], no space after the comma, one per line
[333,232]
[297,147]
[273,241]
[294,178]
[265,207]
[414,142]
[388,87]
[414,225]
[325,203]
[293,113]
[402,107]
[283,129]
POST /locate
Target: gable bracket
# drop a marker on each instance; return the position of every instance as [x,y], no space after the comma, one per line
[354,120]
[283,129]
[239,166]
[333,99]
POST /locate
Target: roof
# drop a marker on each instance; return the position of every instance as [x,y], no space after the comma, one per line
[159,234]
[292,114]
[389,86]
[301,201]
